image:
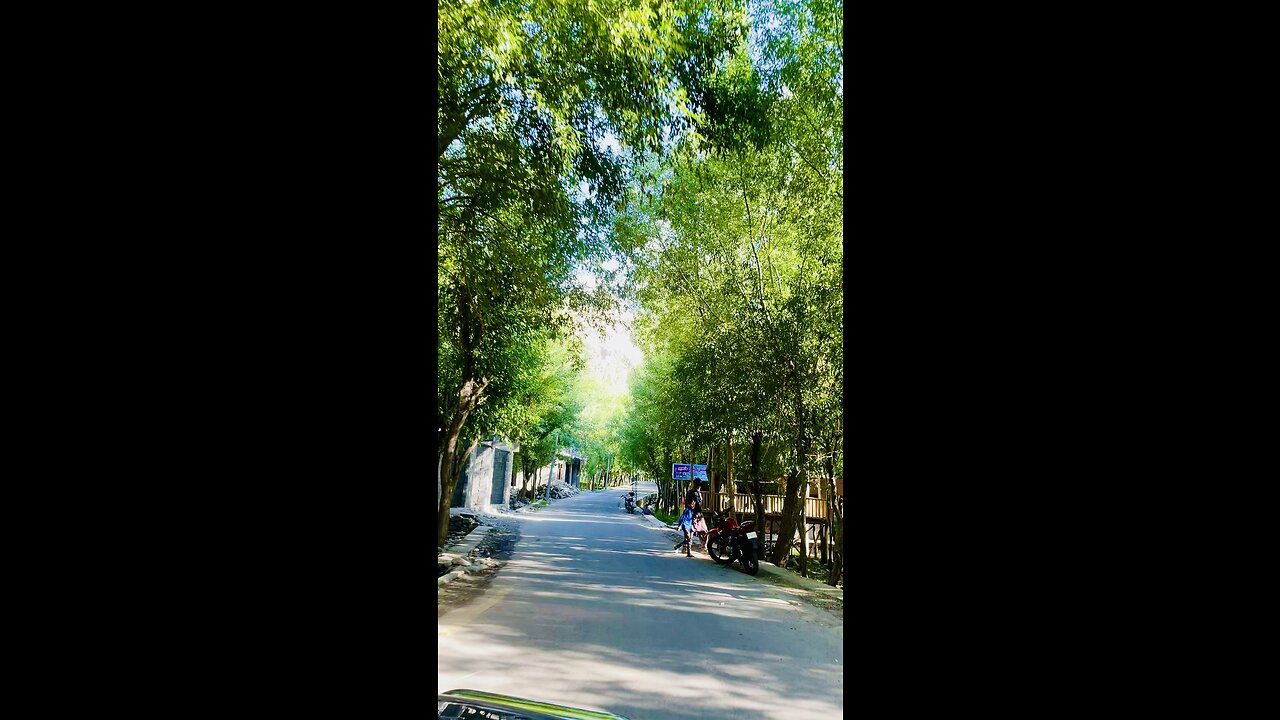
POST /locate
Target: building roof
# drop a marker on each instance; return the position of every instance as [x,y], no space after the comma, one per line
[571,452]
[497,442]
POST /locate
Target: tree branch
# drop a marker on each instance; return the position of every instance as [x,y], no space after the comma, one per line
[821,174]
[751,240]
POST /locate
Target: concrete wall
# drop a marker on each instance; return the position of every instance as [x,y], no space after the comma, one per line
[478,493]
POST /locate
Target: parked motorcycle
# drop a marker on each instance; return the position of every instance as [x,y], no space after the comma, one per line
[728,541]
[629,500]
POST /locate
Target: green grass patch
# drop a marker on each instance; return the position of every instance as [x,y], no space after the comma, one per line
[665,517]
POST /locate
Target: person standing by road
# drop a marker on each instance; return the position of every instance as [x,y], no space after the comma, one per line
[691,518]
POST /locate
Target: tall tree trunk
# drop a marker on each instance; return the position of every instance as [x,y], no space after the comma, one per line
[667,485]
[525,461]
[470,333]
[804,531]
[728,468]
[468,396]
[460,462]
[534,470]
[835,509]
[787,529]
[711,473]
[792,503]
[524,475]
[756,494]
[824,546]
[455,475]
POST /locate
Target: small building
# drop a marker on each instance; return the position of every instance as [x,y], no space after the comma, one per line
[568,469]
[569,466]
[485,481]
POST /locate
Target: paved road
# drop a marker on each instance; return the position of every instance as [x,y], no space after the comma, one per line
[595,610]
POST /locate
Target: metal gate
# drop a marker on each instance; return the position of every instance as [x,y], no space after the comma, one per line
[501,461]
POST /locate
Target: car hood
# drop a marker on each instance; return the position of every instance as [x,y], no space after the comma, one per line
[452,702]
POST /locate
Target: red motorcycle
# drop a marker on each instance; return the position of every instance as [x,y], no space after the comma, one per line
[728,541]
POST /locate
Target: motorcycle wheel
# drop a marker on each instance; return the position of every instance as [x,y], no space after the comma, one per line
[716,549]
[749,561]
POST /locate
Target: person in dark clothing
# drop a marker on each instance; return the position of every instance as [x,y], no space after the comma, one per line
[692,515]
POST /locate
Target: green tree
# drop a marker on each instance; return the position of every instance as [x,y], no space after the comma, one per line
[529,93]
[740,271]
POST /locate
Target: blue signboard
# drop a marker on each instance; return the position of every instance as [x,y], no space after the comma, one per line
[679,471]
[700,472]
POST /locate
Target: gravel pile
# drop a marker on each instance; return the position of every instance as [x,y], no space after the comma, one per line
[448,561]
[560,492]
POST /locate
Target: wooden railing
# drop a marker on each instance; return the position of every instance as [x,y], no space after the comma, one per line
[814,508]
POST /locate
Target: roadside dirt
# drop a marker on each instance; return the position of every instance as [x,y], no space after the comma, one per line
[816,599]
[834,605]
[498,542]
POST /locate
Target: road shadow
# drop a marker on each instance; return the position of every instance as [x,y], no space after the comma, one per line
[619,621]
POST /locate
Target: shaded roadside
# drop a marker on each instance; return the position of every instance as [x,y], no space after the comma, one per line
[813,592]
[490,553]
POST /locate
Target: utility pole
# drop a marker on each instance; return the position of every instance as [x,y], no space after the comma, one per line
[552,470]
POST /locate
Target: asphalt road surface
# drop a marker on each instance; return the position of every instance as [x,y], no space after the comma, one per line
[595,610]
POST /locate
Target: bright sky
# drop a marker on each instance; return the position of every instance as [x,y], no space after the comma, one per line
[610,360]
[610,357]
[613,357]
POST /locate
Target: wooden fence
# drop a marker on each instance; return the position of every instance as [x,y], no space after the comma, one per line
[815,509]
